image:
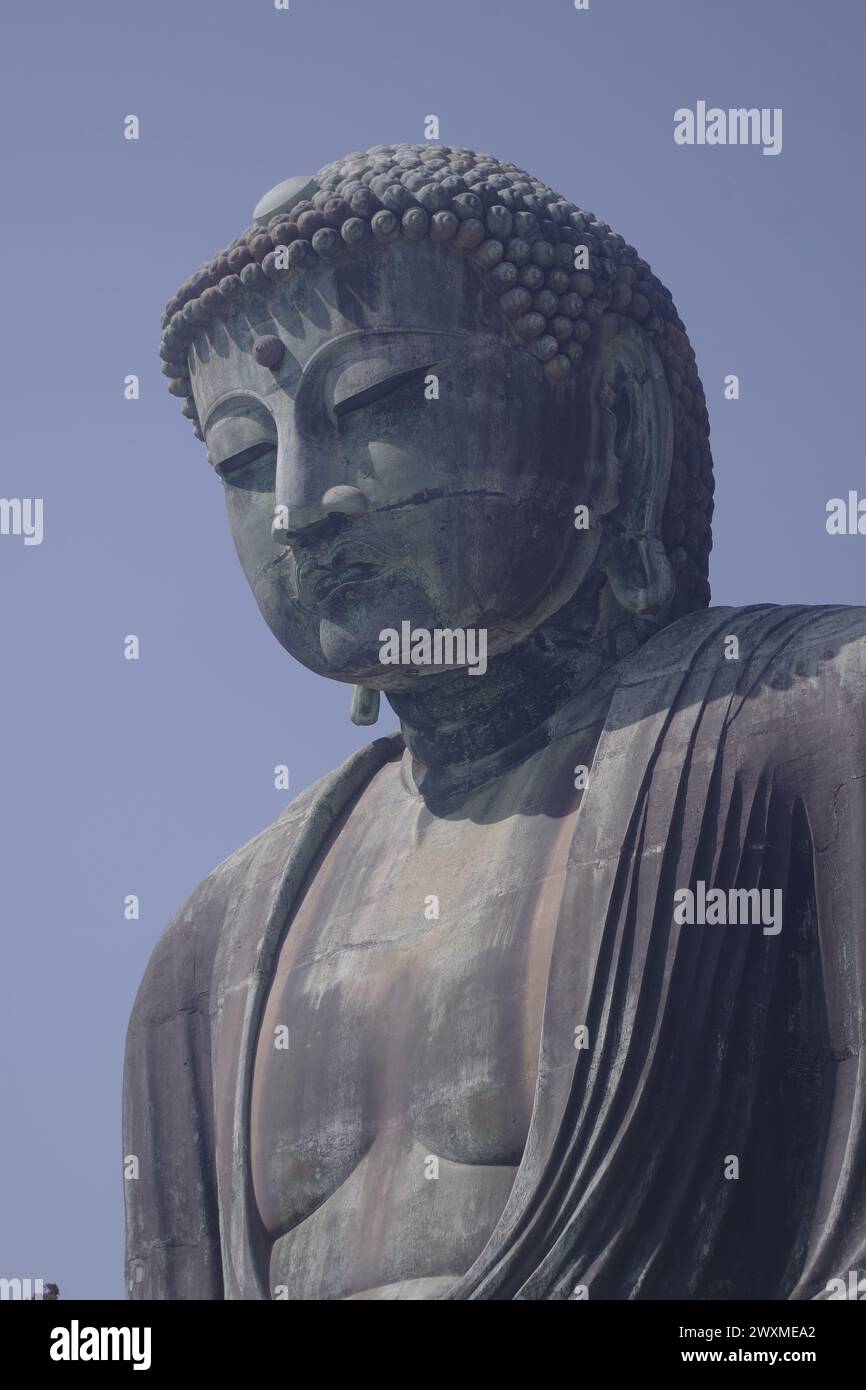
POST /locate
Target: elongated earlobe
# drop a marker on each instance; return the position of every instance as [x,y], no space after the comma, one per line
[635,431]
[639,572]
[365,705]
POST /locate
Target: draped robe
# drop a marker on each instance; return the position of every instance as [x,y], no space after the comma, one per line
[706,1043]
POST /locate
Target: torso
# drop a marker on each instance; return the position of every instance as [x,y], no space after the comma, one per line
[387,1134]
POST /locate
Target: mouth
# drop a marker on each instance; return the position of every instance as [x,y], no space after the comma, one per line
[325,583]
[321,578]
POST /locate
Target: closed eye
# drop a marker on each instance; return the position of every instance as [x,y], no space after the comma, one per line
[236,462]
[381,389]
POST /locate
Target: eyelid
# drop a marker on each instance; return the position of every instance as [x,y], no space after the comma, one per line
[246,456]
[236,434]
[380,389]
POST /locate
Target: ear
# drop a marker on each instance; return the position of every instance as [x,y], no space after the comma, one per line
[365,705]
[632,442]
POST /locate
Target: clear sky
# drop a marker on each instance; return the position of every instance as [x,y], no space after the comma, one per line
[138,777]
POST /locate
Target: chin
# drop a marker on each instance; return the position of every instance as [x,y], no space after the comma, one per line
[350,650]
[352,620]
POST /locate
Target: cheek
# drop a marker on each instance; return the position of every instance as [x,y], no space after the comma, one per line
[512,557]
[296,629]
[269,571]
[462,441]
[481,560]
[250,516]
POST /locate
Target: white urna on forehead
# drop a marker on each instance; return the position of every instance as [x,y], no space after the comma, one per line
[555,269]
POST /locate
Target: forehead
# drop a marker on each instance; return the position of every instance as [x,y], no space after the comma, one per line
[391,296]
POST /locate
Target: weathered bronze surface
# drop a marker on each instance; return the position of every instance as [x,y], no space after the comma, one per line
[438,1032]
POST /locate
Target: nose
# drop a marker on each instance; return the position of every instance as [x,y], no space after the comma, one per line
[314,481]
[289,520]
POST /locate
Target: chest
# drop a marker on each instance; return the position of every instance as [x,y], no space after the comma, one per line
[410,1021]
[406,1000]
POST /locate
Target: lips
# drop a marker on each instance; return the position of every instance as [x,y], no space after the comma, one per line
[324,583]
[319,579]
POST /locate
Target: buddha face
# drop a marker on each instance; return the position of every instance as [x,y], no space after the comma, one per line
[403,462]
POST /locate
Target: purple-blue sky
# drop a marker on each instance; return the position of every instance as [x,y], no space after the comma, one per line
[138,777]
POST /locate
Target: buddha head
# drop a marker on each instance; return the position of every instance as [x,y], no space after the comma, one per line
[435,391]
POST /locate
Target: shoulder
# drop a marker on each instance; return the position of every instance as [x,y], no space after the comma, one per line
[793,675]
[797,657]
[178,974]
[761,644]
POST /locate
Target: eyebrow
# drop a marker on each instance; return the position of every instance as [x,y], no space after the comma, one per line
[369,394]
[229,397]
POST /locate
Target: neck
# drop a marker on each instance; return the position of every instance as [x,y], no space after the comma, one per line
[461,729]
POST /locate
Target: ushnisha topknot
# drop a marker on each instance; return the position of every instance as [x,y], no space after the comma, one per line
[521,237]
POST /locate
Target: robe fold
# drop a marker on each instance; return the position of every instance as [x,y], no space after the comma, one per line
[709,1139]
